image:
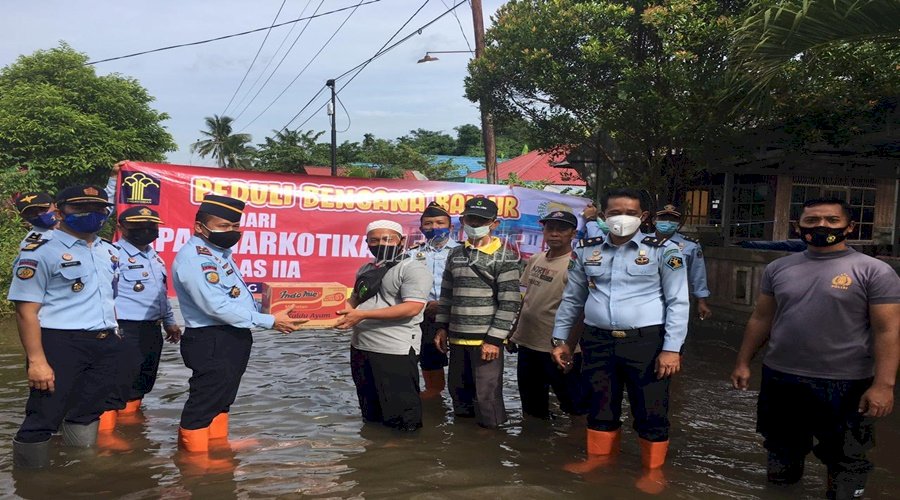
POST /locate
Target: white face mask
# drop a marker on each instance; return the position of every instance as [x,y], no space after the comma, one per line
[623,225]
[476,233]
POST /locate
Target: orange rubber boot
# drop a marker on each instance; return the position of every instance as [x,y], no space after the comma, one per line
[194,440]
[435,382]
[131,407]
[653,456]
[107,439]
[218,435]
[218,428]
[601,449]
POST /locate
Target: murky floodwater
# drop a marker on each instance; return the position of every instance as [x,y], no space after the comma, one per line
[298,400]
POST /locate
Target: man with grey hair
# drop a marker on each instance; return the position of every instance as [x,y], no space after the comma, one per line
[386,307]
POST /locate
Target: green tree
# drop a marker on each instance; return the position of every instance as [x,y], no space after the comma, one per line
[287,151]
[468,140]
[61,123]
[646,76]
[429,142]
[230,150]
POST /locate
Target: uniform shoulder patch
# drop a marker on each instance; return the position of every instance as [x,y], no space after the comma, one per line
[212,277]
[34,245]
[688,238]
[653,241]
[201,250]
[31,238]
[117,247]
[590,242]
[675,262]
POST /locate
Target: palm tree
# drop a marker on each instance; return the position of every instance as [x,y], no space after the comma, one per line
[775,33]
[229,150]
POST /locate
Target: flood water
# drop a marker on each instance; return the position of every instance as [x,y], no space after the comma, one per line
[298,401]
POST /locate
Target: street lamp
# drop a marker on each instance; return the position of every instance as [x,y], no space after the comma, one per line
[429,58]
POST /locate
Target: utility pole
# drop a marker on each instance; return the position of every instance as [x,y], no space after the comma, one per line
[332,111]
[487,122]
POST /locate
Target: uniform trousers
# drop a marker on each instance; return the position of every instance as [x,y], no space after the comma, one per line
[430,358]
[387,386]
[792,410]
[142,343]
[613,364]
[537,373]
[476,386]
[84,368]
[217,357]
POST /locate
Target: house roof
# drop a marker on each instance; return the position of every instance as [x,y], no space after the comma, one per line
[536,166]
[408,175]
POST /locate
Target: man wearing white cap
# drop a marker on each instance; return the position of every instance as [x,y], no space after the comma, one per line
[386,308]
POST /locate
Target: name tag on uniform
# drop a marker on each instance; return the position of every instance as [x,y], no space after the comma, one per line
[70,264]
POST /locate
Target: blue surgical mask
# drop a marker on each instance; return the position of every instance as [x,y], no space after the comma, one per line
[436,234]
[476,233]
[88,222]
[46,220]
[666,227]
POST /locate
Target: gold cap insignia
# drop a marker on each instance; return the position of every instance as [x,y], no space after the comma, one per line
[91,191]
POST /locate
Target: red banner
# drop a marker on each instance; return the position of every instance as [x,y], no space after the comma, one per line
[312,228]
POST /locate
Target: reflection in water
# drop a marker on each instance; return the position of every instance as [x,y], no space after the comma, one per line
[298,401]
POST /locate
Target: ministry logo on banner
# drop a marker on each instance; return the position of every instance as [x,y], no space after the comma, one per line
[139,188]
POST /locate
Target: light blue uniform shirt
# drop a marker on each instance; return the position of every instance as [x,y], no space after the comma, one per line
[592,229]
[142,286]
[435,260]
[73,282]
[36,234]
[210,289]
[626,287]
[696,266]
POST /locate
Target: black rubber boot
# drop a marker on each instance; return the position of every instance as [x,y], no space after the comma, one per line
[79,435]
[845,485]
[784,470]
[31,455]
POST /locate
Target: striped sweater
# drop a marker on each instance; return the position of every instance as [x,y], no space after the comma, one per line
[467,307]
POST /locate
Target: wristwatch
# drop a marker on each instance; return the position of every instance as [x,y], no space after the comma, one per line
[557,342]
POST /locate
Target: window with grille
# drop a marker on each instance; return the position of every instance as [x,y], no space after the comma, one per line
[858,193]
[748,217]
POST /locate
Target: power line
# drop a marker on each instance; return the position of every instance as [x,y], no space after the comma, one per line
[459,23]
[349,121]
[316,55]
[280,62]
[233,35]
[275,54]
[359,67]
[274,20]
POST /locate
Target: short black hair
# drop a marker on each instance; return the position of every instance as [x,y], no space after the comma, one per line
[634,194]
[829,201]
[203,217]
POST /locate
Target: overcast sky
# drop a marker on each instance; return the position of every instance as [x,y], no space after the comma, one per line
[390,97]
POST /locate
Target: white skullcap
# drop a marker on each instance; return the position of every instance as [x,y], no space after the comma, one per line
[384,224]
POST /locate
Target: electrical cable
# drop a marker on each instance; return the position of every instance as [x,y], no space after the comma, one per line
[459,23]
[224,37]
[261,45]
[349,121]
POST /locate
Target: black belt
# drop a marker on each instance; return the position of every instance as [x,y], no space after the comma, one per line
[156,322]
[97,334]
[644,331]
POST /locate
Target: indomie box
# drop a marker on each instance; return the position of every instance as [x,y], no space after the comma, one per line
[318,302]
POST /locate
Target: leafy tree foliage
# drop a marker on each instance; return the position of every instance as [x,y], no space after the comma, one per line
[61,123]
[230,150]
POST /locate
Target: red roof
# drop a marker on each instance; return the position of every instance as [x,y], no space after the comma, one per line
[535,166]
[408,175]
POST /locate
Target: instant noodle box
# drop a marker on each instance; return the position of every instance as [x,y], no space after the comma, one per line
[317,302]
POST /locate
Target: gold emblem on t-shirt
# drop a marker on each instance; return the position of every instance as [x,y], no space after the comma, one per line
[841,281]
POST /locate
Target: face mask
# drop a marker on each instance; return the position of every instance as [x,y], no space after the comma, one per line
[437,234]
[602,225]
[88,222]
[823,236]
[384,252]
[46,220]
[143,236]
[666,227]
[623,225]
[223,239]
[476,233]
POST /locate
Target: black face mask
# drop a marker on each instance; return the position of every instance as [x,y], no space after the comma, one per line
[385,252]
[823,236]
[224,239]
[142,236]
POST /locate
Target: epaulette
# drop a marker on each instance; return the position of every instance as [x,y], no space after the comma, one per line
[34,245]
[31,238]
[688,238]
[111,243]
[590,242]
[653,241]
[201,250]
